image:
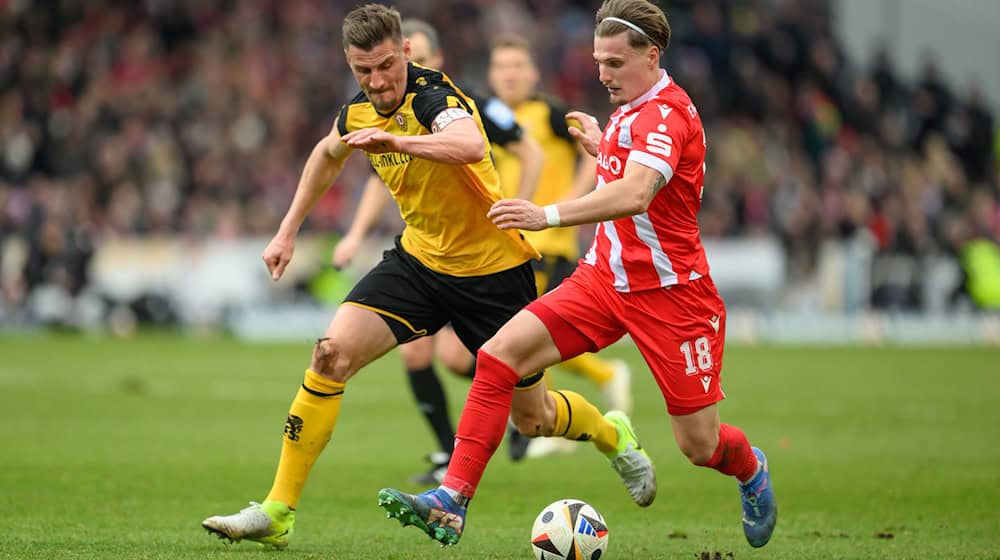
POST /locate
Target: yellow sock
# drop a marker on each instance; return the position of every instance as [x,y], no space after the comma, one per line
[590,367]
[309,426]
[579,420]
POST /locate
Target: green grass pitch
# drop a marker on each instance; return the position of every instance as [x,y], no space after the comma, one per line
[118,449]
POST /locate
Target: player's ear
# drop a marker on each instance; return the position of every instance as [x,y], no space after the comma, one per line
[654,55]
[406,49]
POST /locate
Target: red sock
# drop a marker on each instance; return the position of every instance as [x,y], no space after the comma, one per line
[482,425]
[733,456]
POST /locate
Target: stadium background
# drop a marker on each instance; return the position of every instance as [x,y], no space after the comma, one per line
[148,150]
[173,131]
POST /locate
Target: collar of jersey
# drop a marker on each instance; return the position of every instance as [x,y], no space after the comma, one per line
[393,112]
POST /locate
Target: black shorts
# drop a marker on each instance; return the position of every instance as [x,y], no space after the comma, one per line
[416,301]
[550,271]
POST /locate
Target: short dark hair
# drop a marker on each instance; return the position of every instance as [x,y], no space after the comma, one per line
[412,26]
[643,14]
[369,25]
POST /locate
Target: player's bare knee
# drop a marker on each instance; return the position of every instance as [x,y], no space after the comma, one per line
[698,451]
[502,349]
[414,362]
[331,361]
[457,362]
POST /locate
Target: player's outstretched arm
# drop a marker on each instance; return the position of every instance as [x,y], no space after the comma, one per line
[456,140]
[322,167]
[373,201]
[627,196]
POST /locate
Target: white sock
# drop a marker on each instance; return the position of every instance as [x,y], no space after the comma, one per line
[456,495]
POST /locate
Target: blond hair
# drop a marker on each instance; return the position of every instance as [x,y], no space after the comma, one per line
[643,14]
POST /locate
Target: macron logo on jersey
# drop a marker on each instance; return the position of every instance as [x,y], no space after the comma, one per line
[664,111]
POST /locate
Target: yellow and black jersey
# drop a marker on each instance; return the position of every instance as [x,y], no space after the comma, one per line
[443,206]
[499,121]
[545,121]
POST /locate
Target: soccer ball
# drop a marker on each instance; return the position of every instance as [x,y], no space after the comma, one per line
[569,530]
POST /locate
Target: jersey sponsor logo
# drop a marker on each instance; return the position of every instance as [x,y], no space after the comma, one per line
[612,163]
[692,111]
[664,111]
[659,143]
[391,159]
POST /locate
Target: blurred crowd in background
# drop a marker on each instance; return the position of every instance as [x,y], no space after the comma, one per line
[193,118]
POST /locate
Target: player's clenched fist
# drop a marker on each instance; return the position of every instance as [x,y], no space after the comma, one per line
[278,254]
[514,213]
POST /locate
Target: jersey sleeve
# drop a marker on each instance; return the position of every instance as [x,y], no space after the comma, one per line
[498,122]
[436,96]
[658,136]
[557,120]
[342,121]
[344,115]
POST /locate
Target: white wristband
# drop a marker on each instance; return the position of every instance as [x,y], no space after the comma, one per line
[551,215]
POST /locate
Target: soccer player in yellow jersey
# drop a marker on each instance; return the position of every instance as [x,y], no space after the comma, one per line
[503,132]
[425,139]
[568,173]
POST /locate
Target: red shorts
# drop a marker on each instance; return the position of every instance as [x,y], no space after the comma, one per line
[680,331]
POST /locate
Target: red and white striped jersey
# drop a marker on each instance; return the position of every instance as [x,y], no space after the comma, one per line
[662,246]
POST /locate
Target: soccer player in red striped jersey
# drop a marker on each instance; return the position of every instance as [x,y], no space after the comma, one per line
[645,275]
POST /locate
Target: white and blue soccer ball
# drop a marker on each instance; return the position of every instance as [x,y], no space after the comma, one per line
[569,530]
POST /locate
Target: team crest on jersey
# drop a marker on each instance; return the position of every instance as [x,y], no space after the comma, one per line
[421,81]
[401,121]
